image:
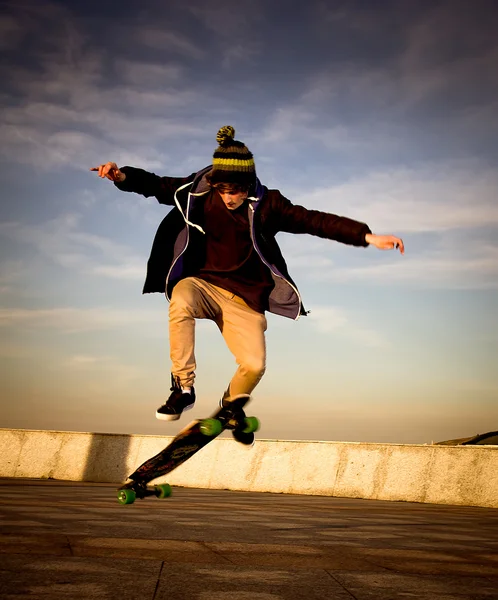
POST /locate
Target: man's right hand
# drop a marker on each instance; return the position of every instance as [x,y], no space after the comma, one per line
[111,171]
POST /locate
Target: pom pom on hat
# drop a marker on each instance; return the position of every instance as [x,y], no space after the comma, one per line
[233,162]
[225,135]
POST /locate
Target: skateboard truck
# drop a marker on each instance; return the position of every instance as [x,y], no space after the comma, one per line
[138,489]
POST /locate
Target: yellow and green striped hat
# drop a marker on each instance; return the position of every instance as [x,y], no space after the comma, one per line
[233,162]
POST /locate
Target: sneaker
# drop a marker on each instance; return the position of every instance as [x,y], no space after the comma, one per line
[177,403]
[244,438]
[234,411]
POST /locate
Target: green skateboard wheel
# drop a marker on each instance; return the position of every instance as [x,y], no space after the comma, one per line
[251,425]
[163,490]
[126,496]
[211,427]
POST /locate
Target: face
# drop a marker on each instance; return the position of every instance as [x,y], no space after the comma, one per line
[233,196]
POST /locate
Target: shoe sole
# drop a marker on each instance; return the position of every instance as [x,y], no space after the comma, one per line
[232,398]
[247,446]
[164,417]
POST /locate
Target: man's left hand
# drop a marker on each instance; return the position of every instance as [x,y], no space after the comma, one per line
[385,242]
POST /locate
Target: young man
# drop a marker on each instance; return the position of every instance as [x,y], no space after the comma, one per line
[215,256]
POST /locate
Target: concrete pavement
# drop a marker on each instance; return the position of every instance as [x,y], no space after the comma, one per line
[63,540]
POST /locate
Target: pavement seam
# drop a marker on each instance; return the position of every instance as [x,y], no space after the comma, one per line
[341,584]
[158,580]
[69,546]
[214,551]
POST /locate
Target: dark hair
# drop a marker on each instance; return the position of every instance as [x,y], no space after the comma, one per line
[235,185]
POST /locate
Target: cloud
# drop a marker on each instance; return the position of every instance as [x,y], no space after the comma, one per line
[223,21]
[226,20]
[452,261]
[75,101]
[287,122]
[67,102]
[428,198]
[110,365]
[235,54]
[418,82]
[468,270]
[68,320]
[127,271]
[52,136]
[329,319]
[447,215]
[62,242]
[68,149]
[96,375]
[73,320]
[10,274]
[150,75]
[84,360]
[160,39]
[11,32]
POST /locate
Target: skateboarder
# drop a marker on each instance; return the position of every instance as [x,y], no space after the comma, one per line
[215,256]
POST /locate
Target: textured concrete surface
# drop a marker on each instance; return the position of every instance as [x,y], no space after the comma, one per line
[459,475]
[63,540]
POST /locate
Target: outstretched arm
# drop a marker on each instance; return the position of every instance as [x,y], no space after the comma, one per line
[132,179]
[385,242]
[111,171]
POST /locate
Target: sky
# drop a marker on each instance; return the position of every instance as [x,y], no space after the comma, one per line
[385,112]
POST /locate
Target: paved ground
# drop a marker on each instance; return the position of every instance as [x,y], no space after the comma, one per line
[73,540]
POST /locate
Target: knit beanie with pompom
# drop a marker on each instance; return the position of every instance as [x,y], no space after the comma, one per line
[233,162]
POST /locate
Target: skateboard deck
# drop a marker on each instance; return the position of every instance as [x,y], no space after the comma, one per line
[187,442]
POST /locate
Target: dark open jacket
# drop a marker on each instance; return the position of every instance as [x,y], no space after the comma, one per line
[177,250]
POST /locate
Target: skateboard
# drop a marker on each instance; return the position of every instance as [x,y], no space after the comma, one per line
[188,442]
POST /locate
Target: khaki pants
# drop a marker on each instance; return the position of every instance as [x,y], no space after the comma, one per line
[242,328]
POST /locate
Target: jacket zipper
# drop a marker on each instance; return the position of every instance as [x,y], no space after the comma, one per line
[251,230]
[181,253]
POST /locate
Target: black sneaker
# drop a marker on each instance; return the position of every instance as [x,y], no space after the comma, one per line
[244,438]
[177,403]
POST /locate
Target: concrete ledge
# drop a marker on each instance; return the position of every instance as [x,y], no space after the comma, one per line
[459,475]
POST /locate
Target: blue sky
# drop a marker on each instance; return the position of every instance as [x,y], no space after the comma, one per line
[388,115]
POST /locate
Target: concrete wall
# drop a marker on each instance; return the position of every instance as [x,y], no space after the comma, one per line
[460,475]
